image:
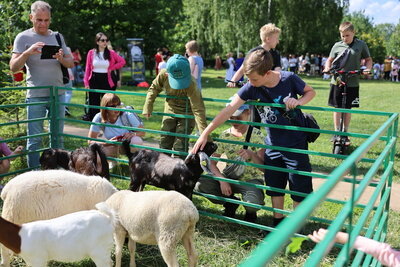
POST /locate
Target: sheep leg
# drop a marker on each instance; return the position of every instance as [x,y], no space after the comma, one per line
[188,243]
[119,238]
[168,253]
[132,250]
[5,256]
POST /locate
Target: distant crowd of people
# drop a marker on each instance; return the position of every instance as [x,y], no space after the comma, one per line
[312,65]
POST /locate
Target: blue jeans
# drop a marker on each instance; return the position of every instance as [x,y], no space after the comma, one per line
[68,93]
[36,127]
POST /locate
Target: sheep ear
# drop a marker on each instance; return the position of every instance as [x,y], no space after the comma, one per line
[189,158]
[205,162]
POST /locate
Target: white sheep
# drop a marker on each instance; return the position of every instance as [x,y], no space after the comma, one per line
[43,195]
[68,238]
[154,217]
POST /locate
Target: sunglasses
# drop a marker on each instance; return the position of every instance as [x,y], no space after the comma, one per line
[103,40]
[114,106]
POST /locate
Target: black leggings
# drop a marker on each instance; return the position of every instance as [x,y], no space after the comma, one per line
[97,81]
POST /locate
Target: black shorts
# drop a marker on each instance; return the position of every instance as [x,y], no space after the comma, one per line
[336,96]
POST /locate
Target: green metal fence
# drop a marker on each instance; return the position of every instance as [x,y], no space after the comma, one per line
[361,170]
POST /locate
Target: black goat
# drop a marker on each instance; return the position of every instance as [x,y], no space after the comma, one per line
[54,158]
[85,160]
[158,169]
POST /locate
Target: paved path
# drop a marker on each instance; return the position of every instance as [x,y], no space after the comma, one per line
[342,191]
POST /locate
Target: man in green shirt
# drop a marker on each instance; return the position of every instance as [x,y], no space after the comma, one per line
[358,51]
[177,81]
[237,132]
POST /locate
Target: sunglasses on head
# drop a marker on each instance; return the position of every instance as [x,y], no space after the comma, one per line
[103,40]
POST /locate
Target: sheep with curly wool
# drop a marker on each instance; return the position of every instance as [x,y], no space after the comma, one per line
[68,238]
[43,195]
[154,217]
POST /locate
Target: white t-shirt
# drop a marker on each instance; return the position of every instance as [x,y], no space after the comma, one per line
[100,65]
[162,65]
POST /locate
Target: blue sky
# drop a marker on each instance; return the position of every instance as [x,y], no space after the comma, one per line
[382,11]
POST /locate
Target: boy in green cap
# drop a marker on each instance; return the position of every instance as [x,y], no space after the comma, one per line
[177,81]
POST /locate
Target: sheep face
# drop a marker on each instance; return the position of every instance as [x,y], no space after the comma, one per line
[90,161]
[158,169]
[86,160]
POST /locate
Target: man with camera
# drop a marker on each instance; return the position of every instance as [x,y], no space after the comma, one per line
[35,48]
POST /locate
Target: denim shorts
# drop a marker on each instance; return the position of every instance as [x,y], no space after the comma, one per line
[279,179]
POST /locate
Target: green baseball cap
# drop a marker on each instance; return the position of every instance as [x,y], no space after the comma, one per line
[178,69]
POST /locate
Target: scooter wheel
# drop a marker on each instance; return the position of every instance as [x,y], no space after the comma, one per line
[337,149]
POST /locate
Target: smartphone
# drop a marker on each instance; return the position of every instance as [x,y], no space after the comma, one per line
[48,51]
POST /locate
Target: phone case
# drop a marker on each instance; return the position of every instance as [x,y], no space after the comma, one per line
[48,51]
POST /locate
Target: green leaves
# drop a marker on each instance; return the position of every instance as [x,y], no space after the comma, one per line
[295,245]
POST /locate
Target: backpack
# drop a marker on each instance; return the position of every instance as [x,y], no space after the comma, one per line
[125,119]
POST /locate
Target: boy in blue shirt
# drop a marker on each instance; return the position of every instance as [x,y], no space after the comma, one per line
[270,86]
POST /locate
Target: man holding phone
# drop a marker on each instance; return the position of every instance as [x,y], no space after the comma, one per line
[46,71]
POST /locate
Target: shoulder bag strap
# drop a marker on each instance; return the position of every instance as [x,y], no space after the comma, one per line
[248,136]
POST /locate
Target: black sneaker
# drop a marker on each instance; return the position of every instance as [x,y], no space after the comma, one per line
[277,221]
[250,217]
[67,113]
[230,209]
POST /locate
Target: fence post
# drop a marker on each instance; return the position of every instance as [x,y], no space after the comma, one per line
[187,122]
[54,117]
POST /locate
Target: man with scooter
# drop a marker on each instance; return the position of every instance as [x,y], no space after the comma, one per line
[346,56]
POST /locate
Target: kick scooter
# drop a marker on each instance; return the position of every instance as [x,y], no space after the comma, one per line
[341,142]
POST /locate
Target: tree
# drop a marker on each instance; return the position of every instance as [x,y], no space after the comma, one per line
[14,18]
[309,26]
[80,20]
[393,46]
[362,23]
[223,25]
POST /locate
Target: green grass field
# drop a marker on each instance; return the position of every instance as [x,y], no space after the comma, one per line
[220,243]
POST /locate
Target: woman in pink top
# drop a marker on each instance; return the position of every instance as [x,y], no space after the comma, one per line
[381,251]
[5,163]
[100,62]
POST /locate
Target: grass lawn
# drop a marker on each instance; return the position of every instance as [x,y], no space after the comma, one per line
[221,243]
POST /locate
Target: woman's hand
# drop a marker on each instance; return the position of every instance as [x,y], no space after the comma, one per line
[115,139]
[128,135]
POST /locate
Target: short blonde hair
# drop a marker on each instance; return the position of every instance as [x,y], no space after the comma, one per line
[267,30]
[40,5]
[346,26]
[259,61]
[192,46]
[108,100]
